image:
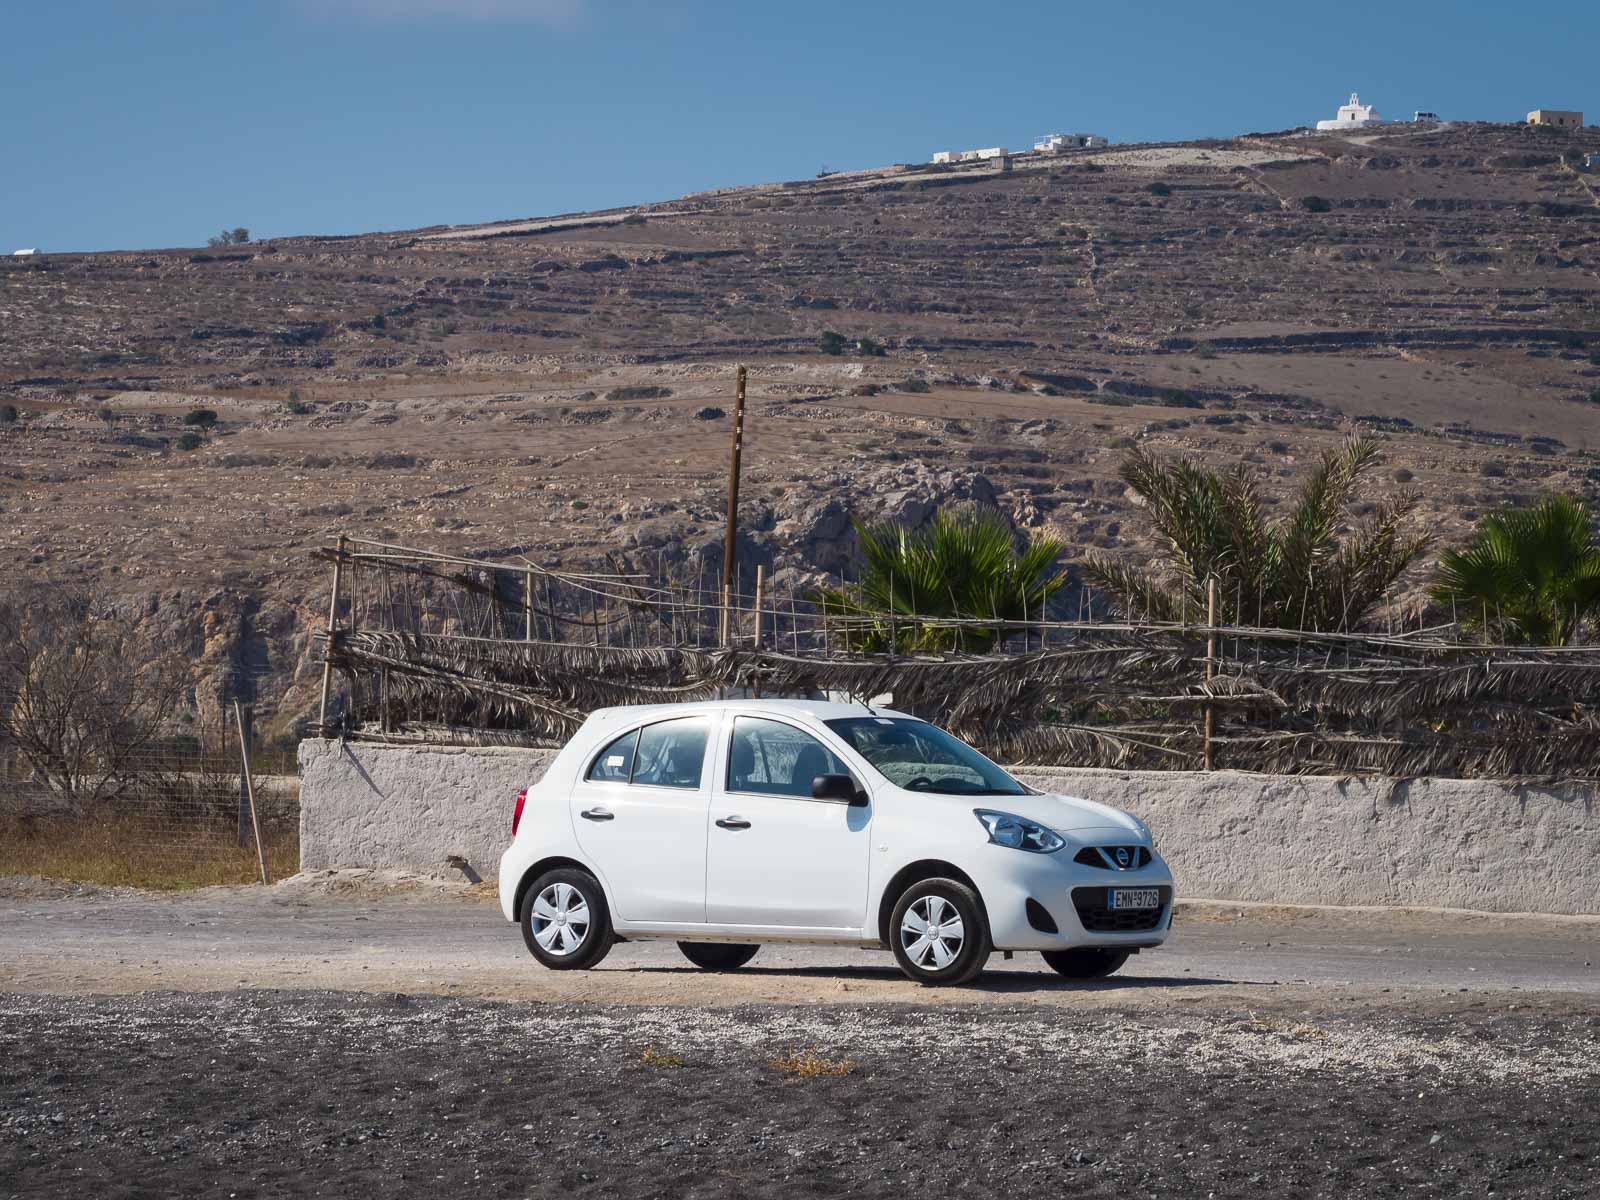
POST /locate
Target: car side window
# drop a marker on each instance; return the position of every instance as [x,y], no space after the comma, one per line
[614,764]
[775,759]
[671,753]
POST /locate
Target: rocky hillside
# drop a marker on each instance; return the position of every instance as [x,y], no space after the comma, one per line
[558,387]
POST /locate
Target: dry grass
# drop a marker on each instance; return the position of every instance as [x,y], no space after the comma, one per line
[136,852]
[655,1058]
[809,1064]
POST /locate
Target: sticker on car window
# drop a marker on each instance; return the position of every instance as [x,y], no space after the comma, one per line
[615,760]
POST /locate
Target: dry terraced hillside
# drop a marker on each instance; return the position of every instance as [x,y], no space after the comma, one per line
[557,387]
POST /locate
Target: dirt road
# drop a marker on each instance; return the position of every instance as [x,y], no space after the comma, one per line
[340,932]
[297,1041]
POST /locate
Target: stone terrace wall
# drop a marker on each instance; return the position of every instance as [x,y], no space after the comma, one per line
[1479,844]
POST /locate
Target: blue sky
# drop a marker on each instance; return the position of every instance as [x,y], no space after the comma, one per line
[143,123]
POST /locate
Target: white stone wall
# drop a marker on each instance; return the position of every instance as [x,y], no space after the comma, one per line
[1477,844]
[1453,843]
[409,808]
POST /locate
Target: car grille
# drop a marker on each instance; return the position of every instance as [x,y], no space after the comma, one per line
[1105,857]
[1096,917]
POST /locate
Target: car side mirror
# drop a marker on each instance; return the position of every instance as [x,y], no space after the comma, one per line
[839,788]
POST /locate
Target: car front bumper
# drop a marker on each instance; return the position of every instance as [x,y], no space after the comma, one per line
[1072,897]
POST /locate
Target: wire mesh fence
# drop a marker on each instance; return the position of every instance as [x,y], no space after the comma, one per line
[171,814]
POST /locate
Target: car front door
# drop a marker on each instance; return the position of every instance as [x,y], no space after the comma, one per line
[639,812]
[775,857]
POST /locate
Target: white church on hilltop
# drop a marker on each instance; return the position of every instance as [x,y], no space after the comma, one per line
[1354,115]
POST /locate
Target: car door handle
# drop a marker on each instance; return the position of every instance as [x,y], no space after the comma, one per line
[598,814]
[733,823]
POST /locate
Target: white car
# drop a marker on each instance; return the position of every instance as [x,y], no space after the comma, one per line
[727,824]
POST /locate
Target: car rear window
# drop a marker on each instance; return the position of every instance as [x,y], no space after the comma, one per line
[614,764]
[666,754]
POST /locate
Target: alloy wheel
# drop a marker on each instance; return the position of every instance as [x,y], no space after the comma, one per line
[932,932]
[560,919]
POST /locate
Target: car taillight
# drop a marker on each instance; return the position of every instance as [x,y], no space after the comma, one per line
[516,813]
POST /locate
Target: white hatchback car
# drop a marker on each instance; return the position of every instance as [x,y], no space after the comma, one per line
[727,824]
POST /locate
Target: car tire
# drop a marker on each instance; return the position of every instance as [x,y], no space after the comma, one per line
[959,947]
[717,956]
[566,921]
[1086,963]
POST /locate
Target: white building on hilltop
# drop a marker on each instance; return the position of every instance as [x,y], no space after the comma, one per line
[28,253]
[1354,115]
[960,156]
[1059,143]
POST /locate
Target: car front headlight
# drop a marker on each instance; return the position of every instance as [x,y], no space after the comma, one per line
[1008,829]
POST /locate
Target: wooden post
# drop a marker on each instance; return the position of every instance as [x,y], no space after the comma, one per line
[250,788]
[333,618]
[731,536]
[722,616]
[527,596]
[1211,656]
[761,576]
[244,788]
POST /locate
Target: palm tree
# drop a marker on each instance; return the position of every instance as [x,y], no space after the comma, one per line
[964,565]
[1529,575]
[1298,572]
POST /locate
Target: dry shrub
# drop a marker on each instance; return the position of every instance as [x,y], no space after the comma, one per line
[85,692]
[810,1064]
[655,1058]
[136,851]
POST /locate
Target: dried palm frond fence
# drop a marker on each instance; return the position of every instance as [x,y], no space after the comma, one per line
[433,647]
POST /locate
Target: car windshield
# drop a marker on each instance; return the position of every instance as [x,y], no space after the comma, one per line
[924,758]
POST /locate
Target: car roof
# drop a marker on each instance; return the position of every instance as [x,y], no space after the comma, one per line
[822,710]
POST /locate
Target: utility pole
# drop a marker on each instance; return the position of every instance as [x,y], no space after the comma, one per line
[730,540]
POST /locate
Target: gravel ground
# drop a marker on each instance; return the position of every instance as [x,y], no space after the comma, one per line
[349,1034]
[303,1093]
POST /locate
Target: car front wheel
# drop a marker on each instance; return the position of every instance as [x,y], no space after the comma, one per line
[938,933]
[1089,963]
[565,920]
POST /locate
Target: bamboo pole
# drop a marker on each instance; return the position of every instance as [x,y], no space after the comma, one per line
[730,539]
[333,617]
[760,587]
[1211,658]
[250,789]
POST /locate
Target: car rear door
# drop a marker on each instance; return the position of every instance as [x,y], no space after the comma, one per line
[639,813]
[775,857]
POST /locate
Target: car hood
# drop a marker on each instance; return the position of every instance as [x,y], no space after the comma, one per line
[1068,814]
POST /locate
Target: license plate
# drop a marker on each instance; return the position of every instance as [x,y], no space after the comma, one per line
[1121,898]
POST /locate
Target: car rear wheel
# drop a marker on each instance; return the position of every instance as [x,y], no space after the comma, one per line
[565,920]
[717,956]
[938,933]
[1088,963]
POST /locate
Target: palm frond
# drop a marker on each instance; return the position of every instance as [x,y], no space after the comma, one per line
[1529,575]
